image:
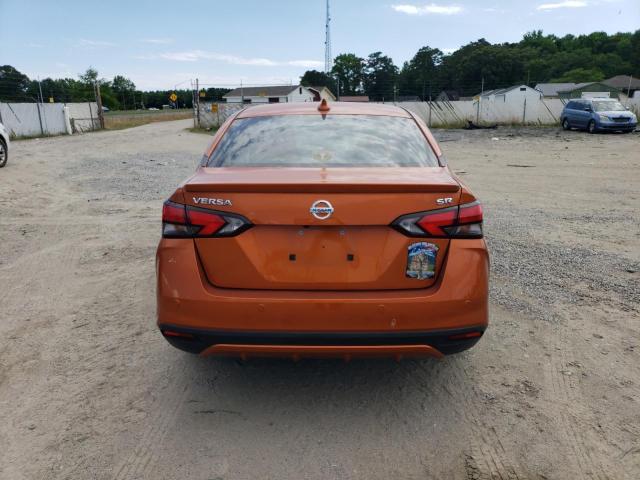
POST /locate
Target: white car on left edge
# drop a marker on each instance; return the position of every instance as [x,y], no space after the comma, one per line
[4,146]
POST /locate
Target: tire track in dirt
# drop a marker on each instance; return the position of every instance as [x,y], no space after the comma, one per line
[165,411]
[486,445]
[568,390]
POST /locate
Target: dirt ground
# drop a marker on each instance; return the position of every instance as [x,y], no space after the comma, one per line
[90,390]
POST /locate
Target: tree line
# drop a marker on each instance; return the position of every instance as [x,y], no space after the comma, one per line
[534,59]
[464,72]
[119,93]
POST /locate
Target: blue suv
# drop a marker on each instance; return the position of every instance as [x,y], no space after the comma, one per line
[597,114]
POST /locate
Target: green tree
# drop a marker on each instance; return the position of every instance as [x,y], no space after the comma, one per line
[421,75]
[124,89]
[13,84]
[634,52]
[578,75]
[90,76]
[379,77]
[496,65]
[314,78]
[348,68]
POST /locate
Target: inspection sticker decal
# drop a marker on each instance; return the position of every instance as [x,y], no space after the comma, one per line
[421,260]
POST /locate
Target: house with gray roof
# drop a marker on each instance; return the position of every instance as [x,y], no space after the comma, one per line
[625,83]
[552,90]
[590,90]
[270,94]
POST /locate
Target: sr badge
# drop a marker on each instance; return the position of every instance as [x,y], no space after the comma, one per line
[421,260]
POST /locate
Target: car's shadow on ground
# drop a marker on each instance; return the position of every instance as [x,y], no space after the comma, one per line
[239,415]
[358,383]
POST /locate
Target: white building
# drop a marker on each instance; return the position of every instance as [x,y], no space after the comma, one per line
[270,94]
[322,93]
[517,92]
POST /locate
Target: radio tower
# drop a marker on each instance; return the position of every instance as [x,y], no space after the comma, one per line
[328,59]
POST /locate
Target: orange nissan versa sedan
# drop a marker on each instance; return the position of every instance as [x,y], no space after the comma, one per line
[322,230]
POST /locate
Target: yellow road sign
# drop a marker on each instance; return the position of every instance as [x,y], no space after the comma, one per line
[173,97]
[214,107]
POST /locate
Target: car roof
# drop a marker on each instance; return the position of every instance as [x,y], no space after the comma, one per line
[335,108]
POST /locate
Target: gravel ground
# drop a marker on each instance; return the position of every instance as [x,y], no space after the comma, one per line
[89,389]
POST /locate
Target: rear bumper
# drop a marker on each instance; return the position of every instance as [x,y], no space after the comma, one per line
[319,344]
[232,321]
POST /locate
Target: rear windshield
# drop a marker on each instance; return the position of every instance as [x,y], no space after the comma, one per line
[323,141]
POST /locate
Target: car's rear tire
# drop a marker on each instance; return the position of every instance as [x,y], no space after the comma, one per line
[565,124]
[591,128]
[4,154]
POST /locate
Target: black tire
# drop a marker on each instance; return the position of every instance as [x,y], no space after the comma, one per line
[565,124]
[591,127]
[4,155]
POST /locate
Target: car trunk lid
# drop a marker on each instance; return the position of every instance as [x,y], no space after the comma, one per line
[289,248]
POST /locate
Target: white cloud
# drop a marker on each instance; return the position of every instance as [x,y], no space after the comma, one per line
[429,9]
[195,55]
[83,42]
[157,41]
[163,80]
[198,55]
[565,4]
[306,63]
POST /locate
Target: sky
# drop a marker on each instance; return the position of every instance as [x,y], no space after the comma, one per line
[160,44]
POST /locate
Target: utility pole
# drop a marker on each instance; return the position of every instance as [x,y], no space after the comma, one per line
[479,100]
[96,87]
[328,59]
[40,88]
[430,104]
[197,118]
[241,93]
[395,93]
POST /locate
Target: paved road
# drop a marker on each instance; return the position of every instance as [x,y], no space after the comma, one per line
[89,389]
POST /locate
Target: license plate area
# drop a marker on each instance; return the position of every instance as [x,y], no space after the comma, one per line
[313,258]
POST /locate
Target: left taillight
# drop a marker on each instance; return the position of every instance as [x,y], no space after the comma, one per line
[183,221]
[463,221]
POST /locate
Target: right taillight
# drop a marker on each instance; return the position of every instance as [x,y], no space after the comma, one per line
[183,221]
[463,221]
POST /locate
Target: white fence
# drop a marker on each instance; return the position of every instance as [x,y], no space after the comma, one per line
[485,111]
[634,103]
[40,119]
[212,115]
[543,111]
[83,117]
[516,111]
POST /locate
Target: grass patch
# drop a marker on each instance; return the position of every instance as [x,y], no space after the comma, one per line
[167,111]
[119,121]
[13,138]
